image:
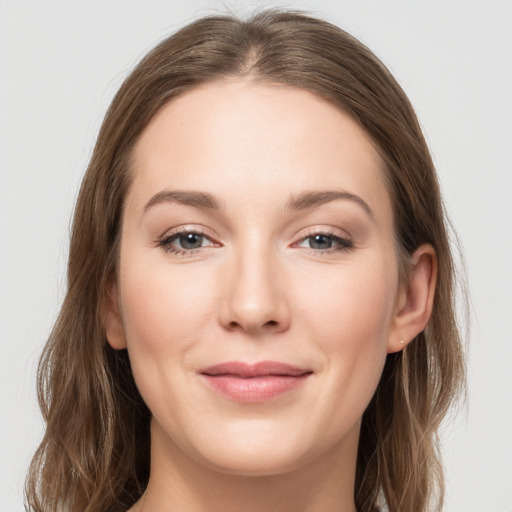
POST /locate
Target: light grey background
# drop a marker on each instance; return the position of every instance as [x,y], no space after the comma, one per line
[60,64]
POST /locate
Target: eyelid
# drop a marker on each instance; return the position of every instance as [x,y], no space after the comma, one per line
[185,228]
[344,240]
[324,230]
[164,240]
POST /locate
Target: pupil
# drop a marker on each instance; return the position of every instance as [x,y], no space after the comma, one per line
[320,242]
[191,240]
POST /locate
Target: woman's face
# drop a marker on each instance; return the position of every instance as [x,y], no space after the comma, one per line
[257,286]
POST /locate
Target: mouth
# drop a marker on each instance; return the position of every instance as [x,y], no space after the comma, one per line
[254,383]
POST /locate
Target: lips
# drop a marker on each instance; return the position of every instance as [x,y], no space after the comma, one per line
[254,383]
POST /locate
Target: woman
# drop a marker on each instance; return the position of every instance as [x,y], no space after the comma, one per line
[259,312]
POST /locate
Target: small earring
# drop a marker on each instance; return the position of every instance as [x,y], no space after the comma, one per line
[402,342]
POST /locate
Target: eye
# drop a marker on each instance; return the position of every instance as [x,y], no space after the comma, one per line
[185,241]
[320,241]
[189,240]
[325,243]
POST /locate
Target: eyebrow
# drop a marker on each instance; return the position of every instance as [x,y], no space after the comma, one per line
[314,198]
[304,201]
[200,200]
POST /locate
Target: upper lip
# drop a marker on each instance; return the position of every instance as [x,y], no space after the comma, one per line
[260,369]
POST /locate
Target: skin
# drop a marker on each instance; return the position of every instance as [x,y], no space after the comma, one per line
[258,288]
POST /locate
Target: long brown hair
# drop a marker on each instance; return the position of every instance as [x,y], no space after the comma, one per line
[95,452]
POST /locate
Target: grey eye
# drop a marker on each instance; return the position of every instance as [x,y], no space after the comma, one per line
[320,242]
[185,242]
[190,240]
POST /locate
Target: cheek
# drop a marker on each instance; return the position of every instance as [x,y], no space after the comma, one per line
[164,313]
[352,322]
[164,308]
[350,318]
[356,301]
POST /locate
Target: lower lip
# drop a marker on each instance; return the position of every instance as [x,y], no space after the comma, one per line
[254,389]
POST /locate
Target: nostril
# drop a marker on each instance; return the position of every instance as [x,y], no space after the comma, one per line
[236,325]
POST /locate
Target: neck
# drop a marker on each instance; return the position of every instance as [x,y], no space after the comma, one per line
[178,482]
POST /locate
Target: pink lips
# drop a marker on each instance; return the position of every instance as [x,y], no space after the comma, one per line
[254,383]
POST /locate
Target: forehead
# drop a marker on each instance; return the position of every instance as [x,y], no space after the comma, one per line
[237,137]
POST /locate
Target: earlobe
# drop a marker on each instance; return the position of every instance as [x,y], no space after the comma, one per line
[416,299]
[113,321]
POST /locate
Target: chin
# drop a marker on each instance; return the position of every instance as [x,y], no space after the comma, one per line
[258,448]
[252,462]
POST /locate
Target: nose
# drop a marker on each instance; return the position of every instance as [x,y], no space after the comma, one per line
[254,298]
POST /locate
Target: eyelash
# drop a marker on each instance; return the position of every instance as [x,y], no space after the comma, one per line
[343,244]
[166,242]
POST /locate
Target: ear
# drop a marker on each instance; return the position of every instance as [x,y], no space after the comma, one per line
[113,321]
[415,300]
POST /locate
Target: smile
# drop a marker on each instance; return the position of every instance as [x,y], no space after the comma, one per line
[260,382]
